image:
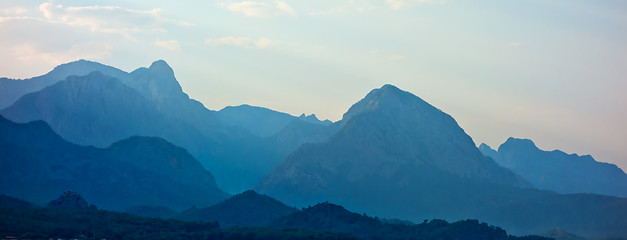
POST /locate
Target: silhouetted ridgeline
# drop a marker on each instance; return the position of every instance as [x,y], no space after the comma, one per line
[323,221]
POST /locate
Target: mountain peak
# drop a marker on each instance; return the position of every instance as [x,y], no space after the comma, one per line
[160,65]
[390,87]
[389,99]
[520,143]
[311,117]
[157,82]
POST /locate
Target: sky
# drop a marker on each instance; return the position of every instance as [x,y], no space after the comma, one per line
[551,71]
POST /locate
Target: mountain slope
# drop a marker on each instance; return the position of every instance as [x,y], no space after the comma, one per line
[37,165]
[12,89]
[260,121]
[397,156]
[247,209]
[98,109]
[94,110]
[387,141]
[558,171]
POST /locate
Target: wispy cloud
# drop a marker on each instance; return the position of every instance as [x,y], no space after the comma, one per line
[108,19]
[515,44]
[13,11]
[259,9]
[399,4]
[347,7]
[168,44]
[30,54]
[245,42]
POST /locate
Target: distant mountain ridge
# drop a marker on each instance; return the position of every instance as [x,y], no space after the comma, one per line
[397,156]
[558,171]
[261,121]
[38,165]
[93,110]
[390,134]
[12,89]
[101,108]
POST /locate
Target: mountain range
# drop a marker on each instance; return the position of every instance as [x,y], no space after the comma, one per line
[37,165]
[397,156]
[107,133]
[391,142]
[558,171]
[88,103]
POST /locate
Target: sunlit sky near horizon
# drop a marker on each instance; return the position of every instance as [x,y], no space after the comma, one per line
[552,71]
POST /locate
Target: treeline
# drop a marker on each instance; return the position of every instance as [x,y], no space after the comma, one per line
[47,223]
[334,218]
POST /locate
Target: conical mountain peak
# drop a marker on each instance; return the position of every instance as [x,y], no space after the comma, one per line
[388,99]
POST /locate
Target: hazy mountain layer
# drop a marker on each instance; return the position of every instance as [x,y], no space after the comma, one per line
[13,89]
[98,109]
[558,171]
[397,156]
[91,110]
[37,165]
[388,141]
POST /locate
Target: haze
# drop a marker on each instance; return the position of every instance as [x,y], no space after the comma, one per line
[551,71]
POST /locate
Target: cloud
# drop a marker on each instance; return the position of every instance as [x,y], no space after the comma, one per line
[6,19]
[259,9]
[108,19]
[168,44]
[398,4]
[515,44]
[244,42]
[350,6]
[13,11]
[29,53]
